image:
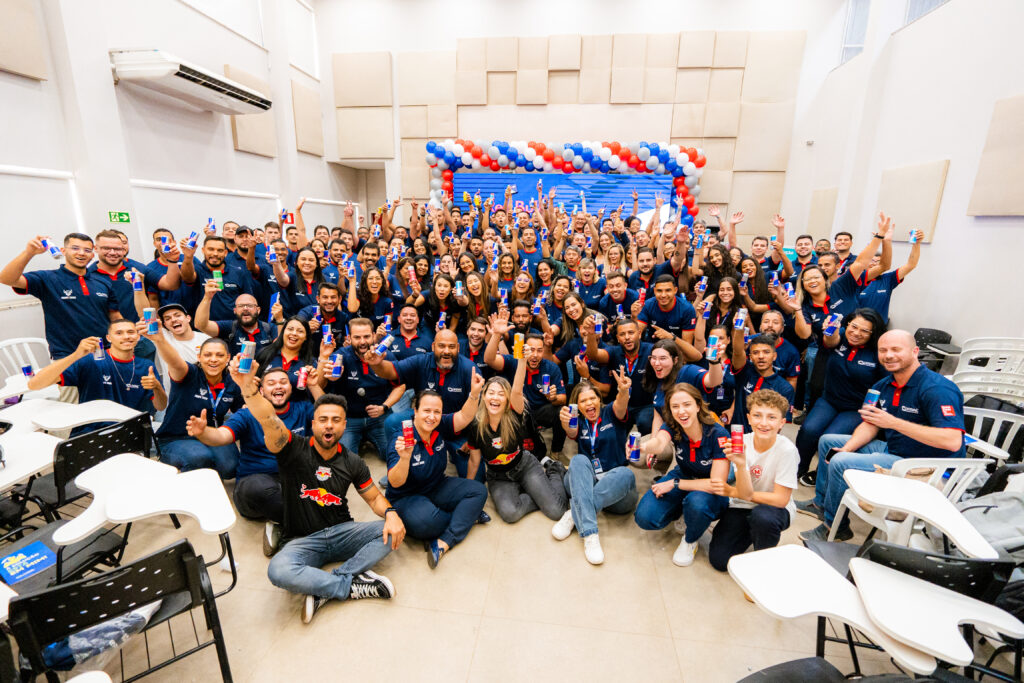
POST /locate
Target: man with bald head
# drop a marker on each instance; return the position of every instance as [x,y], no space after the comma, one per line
[918,414]
[246,326]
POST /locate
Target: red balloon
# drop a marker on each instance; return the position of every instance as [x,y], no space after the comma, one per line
[476,152]
[568,167]
[615,147]
[642,167]
[689,201]
[693,211]
[446,186]
[485,160]
[548,155]
[684,190]
[633,161]
[541,148]
[691,152]
[700,161]
[494,166]
[679,181]
[679,191]
[531,143]
[447,174]
[556,161]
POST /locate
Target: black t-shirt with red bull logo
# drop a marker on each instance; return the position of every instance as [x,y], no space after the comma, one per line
[494,451]
[314,488]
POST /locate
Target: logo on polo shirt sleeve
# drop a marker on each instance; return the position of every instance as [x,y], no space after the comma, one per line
[948,411]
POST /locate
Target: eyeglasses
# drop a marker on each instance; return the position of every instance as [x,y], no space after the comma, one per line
[114,249]
[79,250]
[244,306]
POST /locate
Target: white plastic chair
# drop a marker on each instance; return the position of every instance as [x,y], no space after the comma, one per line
[992,356]
[994,432]
[1002,385]
[17,353]
[962,473]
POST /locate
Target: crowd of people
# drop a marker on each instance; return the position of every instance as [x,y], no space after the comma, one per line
[487,338]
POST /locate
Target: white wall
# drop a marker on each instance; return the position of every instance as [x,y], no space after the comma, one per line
[922,93]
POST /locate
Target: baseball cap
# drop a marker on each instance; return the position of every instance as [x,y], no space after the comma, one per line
[170,307]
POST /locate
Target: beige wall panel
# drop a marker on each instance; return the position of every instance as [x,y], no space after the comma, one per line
[696,48]
[659,85]
[730,49]
[564,52]
[628,50]
[912,196]
[762,143]
[362,79]
[686,142]
[253,133]
[309,130]
[442,121]
[560,122]
[501,54]
[773,66]
[415,181]
[563,87]
[662,50]
[471,54]
[719,151]
[501,88]
[23,49]
[426,77]
[997,185]
[716,186]
[726,85]
[412,122]
[414,151]
[759,196]
[533,53]
[688,120]
[532,86]
[723,120]
[627,85]
[692,85]
[822,211]
[595,85]
[365,133]
[470,87]
[596,52]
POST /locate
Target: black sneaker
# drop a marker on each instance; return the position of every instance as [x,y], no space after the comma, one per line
[483,518]
[798,419]
[434,553]
[310,607]
[809,508]
[809,479]
[371,585]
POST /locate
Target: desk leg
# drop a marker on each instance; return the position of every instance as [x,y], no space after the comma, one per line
[820,644]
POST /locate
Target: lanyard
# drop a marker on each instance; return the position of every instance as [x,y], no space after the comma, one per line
[593,436]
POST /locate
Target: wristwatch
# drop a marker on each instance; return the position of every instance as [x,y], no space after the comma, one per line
[675,482]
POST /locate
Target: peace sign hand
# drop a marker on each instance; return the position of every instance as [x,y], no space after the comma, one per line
[622,379]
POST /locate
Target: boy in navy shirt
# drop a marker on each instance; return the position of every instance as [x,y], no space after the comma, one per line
[76,303]
[758,374]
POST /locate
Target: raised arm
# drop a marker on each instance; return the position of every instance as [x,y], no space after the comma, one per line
[177,368]
[50,374]
[203,322]
[465,416]
[915,256]
[621,404]
[300,223]
[863,260]
[275,434]
[12,274]
[499,328]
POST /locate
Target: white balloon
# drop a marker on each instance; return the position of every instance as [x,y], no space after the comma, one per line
[568,154]
[699,172]
[459,150]
[476,164]
[700,151]
[673,150]
[530,154]
[435,183]
[467,159]
[689,168]
[502,160]
[431,159]
[660,170]
[695,190]
[448,143]
[548,167]
[493,152]
[435,173]
[613,162]
[587,168]
[577,163]
[690,181]
[682,160]
[442,165]
[643,154]
[605,154]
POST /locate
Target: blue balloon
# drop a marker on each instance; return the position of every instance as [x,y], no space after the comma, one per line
[663,156]
[521,160]
[449,158]
[431,146]
[643,144]
[458,163]
[605,167]
[686,219]
[528,165]
[577,147]
[501,145]
[654,148]
[677,172]
[670,165]
[587,154]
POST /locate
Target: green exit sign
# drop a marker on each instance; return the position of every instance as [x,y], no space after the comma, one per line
[119,217]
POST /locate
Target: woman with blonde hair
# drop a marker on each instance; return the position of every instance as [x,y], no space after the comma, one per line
[504,437]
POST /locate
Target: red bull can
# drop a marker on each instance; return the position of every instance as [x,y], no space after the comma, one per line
[52,248]
[642,296]
[698,242]
[98,353]
[351,268]
[440,320]
[913,237]
[832,324]
[618,311]
[740,320]
[503,295]
[408,434]
[245,360]
[871,398]
[193,239]
[437,263]
[537,306]
[598,327]
[136,281]
[149,317]
[316,314]
[789,290]
[574,416]
[458,288]
[774,278]
[211,226]
[300,381]
[634,447]
[736,438]
[712,350]
[387,325]
[27,370]
[271,255]
[165,244]
[328,336]
[744,280]
[410,273]
[336,365]
[543,233]
[702,285]
[706,313]
[382,348]
[545,381]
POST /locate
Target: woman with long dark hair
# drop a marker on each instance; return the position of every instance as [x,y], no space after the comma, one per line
[715,266]
[293,350]
[724,304]
[755,295]
[300,291]
[667,368]
[370,299]
[441,299]
[405,290]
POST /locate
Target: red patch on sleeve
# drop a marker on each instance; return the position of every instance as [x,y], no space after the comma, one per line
[723,441]
[948,411]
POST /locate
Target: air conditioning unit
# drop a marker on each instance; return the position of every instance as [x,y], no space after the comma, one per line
[160,71]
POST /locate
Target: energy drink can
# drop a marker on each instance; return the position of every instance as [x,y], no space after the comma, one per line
[437,263]
[136,281]
[517,346]
[248,353]
[832,324]
[300,381]
[165,244]
[702,285]
[545,381]
[618,311]
[774,278]
[706,313]
[913,237]
[736,438]
[712,350]
[599,327]
[336,365]
[871,398]
[218,277]
[698,241]
[503,295]
[544,233]
[316,314]
[27,370]
[149,317]
[387,325]
[382,348]
[98,353]
[789,290]
[211,226]
[740,319]
[634,446]
[193,239]
[744,280]
[328,336]
[574,416]
[351,268]
[408,435]
[440,320]
[537,306]
[52,248]
[271,255]
[642,296]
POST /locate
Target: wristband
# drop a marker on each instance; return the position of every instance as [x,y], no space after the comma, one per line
[675,482]
[715,362]
[390,510]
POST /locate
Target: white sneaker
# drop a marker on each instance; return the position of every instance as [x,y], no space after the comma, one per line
[680,526]
[683,556]
[592,549]
[563,527]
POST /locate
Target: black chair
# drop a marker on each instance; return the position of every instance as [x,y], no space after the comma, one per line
[175,575]
[817,670]
[925,336]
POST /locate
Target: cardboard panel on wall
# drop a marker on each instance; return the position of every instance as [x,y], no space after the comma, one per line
[362,79]
[659,85]
[627,85]
[692,85]
[563,87]
[719,151]
[412,122]
[726,85]
[628,50]
[442,121]
[662,50]
[759,196]
[23,49]
[501,54]
[773,66]
[911,195]
[595,85]
[564,52]
[822,211]
[722,120]
[253,133]
[309,131]
[596,52]
[686,143]
[501,88]
[688,120]
[1001,167]
[730,49]
[471,54]
[762,143]
[554,123]
[471,87]
[716,186]
[696,48]
[426,77]
[532,86]
[415,181]
[533,53]
[365,133]
[414,151]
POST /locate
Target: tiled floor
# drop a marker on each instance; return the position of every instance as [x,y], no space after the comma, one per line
[508,604]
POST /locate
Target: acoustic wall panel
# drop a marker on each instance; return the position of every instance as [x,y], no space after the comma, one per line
[912,196]
[413,152]
[696,48]
[629,50]
[501,88]
[719,151]
[365,133]
[726,85]
[253,133]
[23,49]
[501,54]
[533,53]
[723,120]
[362,79]
[692,85]
[659,85]
[688,120]
[762,143]
[563,87]
[759,195]
[595,85]
[532,86]
[596,52]
[730,49]
[564,52]
[415,181]
[442,121]
[716,186]
[426,77]
[627,85]
[662,50]
[471,54]
[412,122]
[773,66]
[822,211]
[471,87]
[1001,167]
[309,130]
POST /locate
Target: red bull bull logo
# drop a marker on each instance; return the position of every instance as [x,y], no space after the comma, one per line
[320,496]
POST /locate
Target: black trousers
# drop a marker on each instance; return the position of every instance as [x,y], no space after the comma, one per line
[547,416]
[258,496]
[737,528]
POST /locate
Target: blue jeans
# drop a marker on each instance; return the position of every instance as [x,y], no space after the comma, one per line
[614,492]
[296,567]
[359,428]
[643,418]
[404,404]
[830,485]
[698,508]
[187,454]
[393,423]
[822,419]
[446,512]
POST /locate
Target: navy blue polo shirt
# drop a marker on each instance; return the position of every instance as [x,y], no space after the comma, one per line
[476,357]
[592,293]
[507,286]
[382,309]
[74,307]
[237,281]
[292,367]
[122,290]
[694,375]
[694,458]
[928,399]
[360,385]
[748,381]
[878,293]
[607,305]
[799,267]
[605,440]
[636,369]
[265,286]
[419,343]
[637,281]
[841,299]
[152,273]
[429,317]
[720,398]
[248,433]
[234,334]
[573,348]
[532,258]
[192,395]
[298,294]
[113,380]
[678,319]
[533,385]
[331,274]
[787,359]
[337,322]
[428,461]
[850,372]
[420,372]
[554,313]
